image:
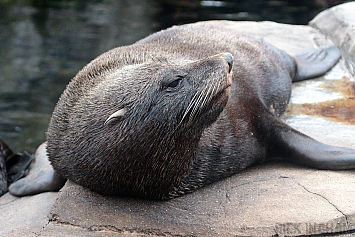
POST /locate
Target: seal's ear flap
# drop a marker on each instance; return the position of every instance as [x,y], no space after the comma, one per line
[118,115]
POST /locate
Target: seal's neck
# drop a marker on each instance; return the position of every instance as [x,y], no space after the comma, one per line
[168,164]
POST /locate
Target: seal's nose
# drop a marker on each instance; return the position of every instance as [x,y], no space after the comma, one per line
[229,58]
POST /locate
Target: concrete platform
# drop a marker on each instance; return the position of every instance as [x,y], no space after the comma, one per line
[272,199]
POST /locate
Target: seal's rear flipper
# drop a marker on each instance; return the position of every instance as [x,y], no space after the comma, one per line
[315,62]
[291,145]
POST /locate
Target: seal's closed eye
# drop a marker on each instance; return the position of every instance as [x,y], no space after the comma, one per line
[175,83]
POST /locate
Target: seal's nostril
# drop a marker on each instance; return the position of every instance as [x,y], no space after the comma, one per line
[230,66]
[229,58]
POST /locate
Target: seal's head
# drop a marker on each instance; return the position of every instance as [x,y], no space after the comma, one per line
[136,131]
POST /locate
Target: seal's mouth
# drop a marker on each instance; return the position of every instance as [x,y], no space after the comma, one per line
[221,97]
[229,81]
[219,100]
[208,103]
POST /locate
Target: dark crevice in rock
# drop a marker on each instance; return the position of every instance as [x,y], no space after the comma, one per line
[54,218]
[113,229]
[348,233]
[43,228]
[150,232]
[346,217]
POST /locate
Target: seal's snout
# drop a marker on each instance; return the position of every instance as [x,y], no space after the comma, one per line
[229,58]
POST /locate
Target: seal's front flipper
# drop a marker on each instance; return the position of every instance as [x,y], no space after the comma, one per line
[41,178]
[296,147]
[315,62]
[42,182]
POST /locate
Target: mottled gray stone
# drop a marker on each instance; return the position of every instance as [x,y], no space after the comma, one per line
[265,200]
[25,216]
[338,23]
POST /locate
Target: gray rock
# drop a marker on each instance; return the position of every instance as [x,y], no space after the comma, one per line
[265,200]
[338,23]
[25,216]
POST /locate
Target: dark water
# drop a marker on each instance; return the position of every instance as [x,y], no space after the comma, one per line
[45,43]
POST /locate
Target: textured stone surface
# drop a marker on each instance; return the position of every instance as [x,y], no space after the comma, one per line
[272,199]
[25,216]
[338,23]
[269,199]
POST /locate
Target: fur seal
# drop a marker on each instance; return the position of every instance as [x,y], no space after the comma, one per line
[181,109]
